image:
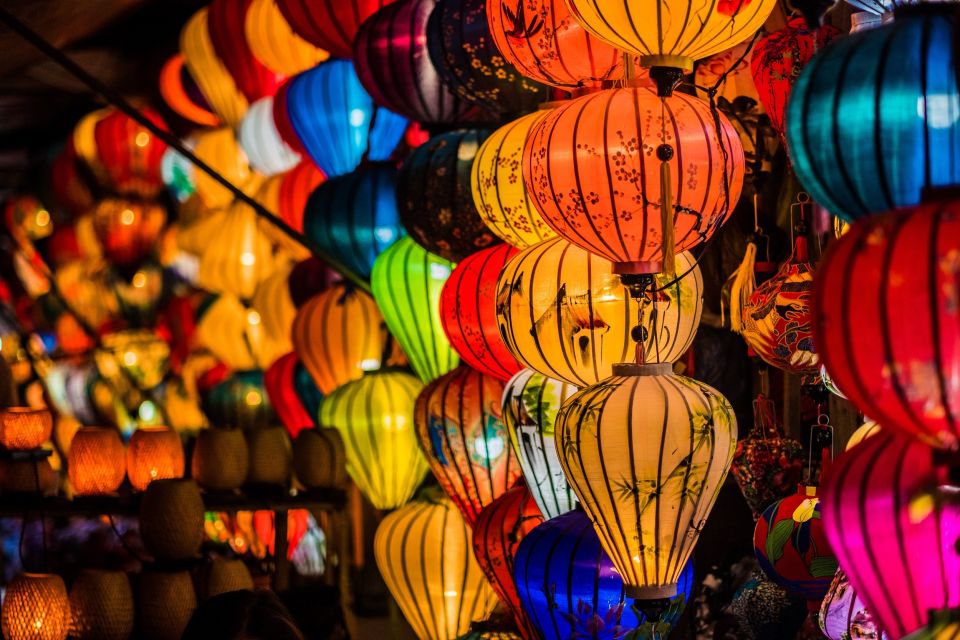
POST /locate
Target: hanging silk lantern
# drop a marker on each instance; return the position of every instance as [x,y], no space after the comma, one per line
[888,328]
[234,333]
[354,217]
[179,90]
[569,587]
[729,72]
[423,551]
[332,26]
[779,58]
[96,461]
[284,385]
[843,615]
[375,417]
[308,278]
[595,179]
[497,184]
[892,532]
[227,23]
[564,313]
[336,120]
[464,440]
[867,132]
[221,151]
[295,188]
[153,453]
[137,356]
[69,187]
[530,403]
[943,625]
[36,608]
[239,402]
[216,84]
[268,195]
[497,533]
[406,282]
[274,43]
[272,302]
[468,311]
[261,141]
[864,431]
[434,197]
[237,258]
[130,154]
[128,229]
[178,173]
[646,452]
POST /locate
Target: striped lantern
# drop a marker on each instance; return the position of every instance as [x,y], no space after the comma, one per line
[468,311]
[391,59]
[499,194]
[530,403]
[338,335]
[128,229]
[261,141]
[892,530]
[275,44]
[498,531]
[171,519]
[293,393]
[271,457]
[220,459]
[646,452]
[274,306]
[36,608]
[216,84]
[434,197]
[331,25]
[95,462]
[220,149]
[354,217]
[234,333]
[153,453]
[564,313]
[319,459]
[423,551]
[864,431]
[181,93]
[226,20]
[308,278]
[237,257]
[240,401]
[295,189]
[375,416]
[406,282]
[463,438]
[130,154]
[101,605]
[164,604]
[843,615]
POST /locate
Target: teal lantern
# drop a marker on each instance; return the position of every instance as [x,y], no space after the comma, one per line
[240,401]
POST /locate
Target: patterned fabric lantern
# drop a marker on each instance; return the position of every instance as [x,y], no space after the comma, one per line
[23,428]
[240,401]
[226,22]
[530,403]
[101,605]
[375,417]
[275,44]
[867,132]
[646,452]
[36,608]
[330,25]
[338,335]
[406,282]
[590,166]
[216,84]
[261,141]
[179,90]
[791,545]
[423,551]
[219,149]
[153,453]
[237,258]
[888,329]
[464,440]
[843,615]
[468,310]
[96,461]
[564,313]
[354,217]
[390,56]
[434,197]
[128,229]
[335,120]
[129,154]
[569,587]
[280,381]
[894,536]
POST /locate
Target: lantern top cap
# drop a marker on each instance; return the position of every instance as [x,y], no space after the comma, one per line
[634,369]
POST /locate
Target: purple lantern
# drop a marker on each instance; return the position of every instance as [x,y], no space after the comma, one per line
[843,615]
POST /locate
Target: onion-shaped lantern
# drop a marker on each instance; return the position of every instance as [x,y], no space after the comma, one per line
[218,87]
[843,615]
[468,310]
[36,608]
[130,154]
[375,417]
[565,314]
[330,25]
[226,20]
[424,553]
[434,197]
[275,44]
[261,141]
[128,229]
[237,257]
[181,93]
[293,393]
[239,401]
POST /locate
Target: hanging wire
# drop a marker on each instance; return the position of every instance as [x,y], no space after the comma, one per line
[133,554]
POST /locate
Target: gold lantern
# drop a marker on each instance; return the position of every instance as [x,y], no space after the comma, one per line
[36,608]
[237,257]
[273,302]
[165,602]
[25,428]
[270,456]
[319,459]
[154,453]
[101,606]
[223,575]
[274,42]
[95,463]
[220,149]
[171,519]
[137,355]
[220,459]
[215,82]
[234,333]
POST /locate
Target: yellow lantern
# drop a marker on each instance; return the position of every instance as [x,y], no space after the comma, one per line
[273,302]
[234,333]
[219,149]
[424,551]
[154,453]
[275,44]
[269,196]
[565,314]
[237,257]
[646,452]
[215,82]
[25,428]
[498,190]
[137,355]
[375,417]
[36,608]
[96,461]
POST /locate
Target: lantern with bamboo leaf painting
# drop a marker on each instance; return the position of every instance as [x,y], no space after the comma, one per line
[261,141]
[128,229]
[293,393]
[273,42]
[130,154]
[218,87]
[226,20]
[330,25]
[240,401]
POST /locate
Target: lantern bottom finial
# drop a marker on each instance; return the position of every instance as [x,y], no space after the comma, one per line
[642,267]
[649,596]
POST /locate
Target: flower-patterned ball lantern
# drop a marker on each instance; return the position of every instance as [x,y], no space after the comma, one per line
[843,615]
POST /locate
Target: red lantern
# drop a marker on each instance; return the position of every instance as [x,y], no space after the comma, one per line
[329,25]
[69,188]
[128,230]
[468,311]
[496,535]
[129,154]
[226,23]
[278,380]
[296,186]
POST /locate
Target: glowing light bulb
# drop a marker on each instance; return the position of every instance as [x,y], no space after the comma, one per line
[253,398]
[253,318]
[247,259]
[42,218]
[142,139]
[127,216]
[139,280]
[129,358]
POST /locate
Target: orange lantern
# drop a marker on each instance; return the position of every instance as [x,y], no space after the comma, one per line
[274,43]
[154,453]
[218,87]
[96,461]
[179,91]
[23,428]
[36,608]
[128,229]
[219,149]
[130,154]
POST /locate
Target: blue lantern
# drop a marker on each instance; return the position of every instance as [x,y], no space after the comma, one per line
[875,117]
[336,120]
[354,217]
[570,589]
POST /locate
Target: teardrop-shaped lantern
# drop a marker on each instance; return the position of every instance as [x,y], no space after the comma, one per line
[207,69]
[261,141]
[226,22]
[330,25]
[274,43]
[295,400]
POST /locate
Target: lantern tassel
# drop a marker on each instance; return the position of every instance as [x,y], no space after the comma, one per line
[666,220]
[744,283]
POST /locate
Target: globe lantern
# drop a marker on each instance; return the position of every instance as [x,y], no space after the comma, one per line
[375,416]
[564,313]
[424,552]
[101,605]
[434,197]
[468,311]
[36,608]
[843,615]
[332,26]
[273,42]
[261,141]
[95,461]
[128,229]
[130,154]
[226,23]
[237,257]
[218,87]
[293,394]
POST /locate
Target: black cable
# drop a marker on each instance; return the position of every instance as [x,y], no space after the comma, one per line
[133,554]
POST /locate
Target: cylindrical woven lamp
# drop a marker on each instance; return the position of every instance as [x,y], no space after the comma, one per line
[223,575]
[154,453]
[165,602]
[319,458]
[220,459]
[96,461]
[270,457]
[171,519]
[33,477]
[23,428]
[101,606]
[36,608]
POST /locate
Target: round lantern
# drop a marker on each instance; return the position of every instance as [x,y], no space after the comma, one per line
[463,51]
[376,419]
[390,56]
[406,282]
[888,328]
[319,459]
[331,25]
[271,457]
[101,605]
[28,477]
[497,533]
[354,217]
[463,438]
[239,401]
[892,532]
[867,132]
[153,453]
[261,141]
[237,257]
[96,461]
[646,452]
[23,428]
[220,459]
[223,575]
[235,335]
[434,197]
[530,403]
[565,314]
[36,608]
[128,229]
[226,21]
[216,84]
[496,180]
[130,154]
[335,120]
[275,44]
[294,399]
[171,519]
[220,149]
[165,602]
[591,167]
[338,335]
[272,303]
[843,615]
[468,311]
[423,551]
[569,587]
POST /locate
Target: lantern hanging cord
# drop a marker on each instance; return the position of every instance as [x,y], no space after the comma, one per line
[123,543]
[121,103]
